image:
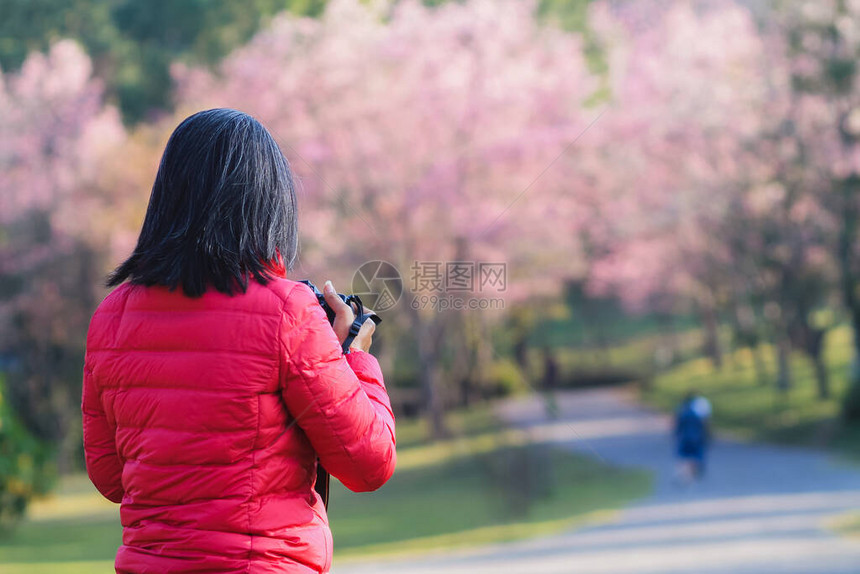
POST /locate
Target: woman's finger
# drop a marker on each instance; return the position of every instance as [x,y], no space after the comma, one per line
[364,338]
[343,313]
[333,300]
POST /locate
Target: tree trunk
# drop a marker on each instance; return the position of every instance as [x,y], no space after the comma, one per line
[428,334]
[462,360]
[522,321]
[483,353]
[822,377]
[667,350]
[760,365]
[550,371]
[813,340]
[521,352]
[783,359]
[712,337]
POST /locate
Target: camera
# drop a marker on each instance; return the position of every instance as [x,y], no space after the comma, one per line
[353,301]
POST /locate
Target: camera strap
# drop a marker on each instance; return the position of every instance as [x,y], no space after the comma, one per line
[360,317]
[322,484]
[356,327]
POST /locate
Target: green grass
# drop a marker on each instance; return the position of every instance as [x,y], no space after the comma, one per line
[468,490]
[753,410]
[461,424]
[73,531]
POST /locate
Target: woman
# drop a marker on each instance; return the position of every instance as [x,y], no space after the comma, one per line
[212,383]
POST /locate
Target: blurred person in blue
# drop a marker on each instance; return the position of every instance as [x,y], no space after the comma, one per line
[692,437]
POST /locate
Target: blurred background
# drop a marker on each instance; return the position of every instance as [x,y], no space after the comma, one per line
[587,209]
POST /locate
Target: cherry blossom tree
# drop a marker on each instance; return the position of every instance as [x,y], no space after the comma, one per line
[684,99]
[823,39]
[421,136]
[55,138]
[719,204]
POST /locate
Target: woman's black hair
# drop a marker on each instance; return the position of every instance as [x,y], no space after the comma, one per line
[222,209]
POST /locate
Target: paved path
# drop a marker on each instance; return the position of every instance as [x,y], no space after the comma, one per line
[762,509]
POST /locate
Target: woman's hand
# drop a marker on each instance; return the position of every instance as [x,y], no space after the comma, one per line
[344,314]
[364,338]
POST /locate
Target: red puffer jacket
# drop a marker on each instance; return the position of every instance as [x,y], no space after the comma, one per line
[204,418]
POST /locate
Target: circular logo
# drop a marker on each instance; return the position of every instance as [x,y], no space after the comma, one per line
[379,285]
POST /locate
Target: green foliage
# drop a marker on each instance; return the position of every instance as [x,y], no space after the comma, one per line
[506,378]
[25,468]
[32,25]
[134,43]
[570,14]
[573,15]
[841,73]
[752,410]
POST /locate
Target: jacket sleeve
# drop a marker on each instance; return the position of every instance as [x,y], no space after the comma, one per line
[103,465]
[338,400]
